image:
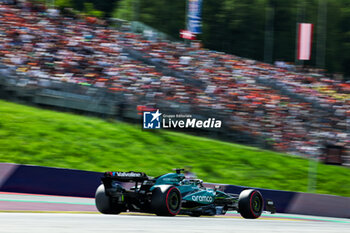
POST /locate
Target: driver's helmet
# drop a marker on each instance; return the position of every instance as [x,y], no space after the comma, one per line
[188,173]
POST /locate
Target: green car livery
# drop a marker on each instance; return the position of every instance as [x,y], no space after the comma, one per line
[172,194]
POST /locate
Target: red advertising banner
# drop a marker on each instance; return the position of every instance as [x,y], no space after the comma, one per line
[187,35]
[305,41]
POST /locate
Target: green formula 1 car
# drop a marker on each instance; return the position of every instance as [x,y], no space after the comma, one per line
[172,194]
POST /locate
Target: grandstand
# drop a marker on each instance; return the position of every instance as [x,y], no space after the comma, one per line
[76,63]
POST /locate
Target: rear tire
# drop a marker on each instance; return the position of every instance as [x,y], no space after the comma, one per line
[250,203]
[104,202]
[166,200]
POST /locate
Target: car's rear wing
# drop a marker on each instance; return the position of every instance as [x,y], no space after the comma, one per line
[130,176]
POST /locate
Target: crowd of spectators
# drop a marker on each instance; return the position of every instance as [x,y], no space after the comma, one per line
[43,44]
[203,64]
[291,124]
[37,44]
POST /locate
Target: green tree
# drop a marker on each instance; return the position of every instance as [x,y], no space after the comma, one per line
[344,36]
[64,3]
[90,10]
[124,10]
[106,6]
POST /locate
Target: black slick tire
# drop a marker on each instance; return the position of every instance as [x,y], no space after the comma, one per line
[104,203]
[166,200]
[250,203]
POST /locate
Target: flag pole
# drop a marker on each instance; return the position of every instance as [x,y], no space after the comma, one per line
[269,33]
[300,18]
[321,34]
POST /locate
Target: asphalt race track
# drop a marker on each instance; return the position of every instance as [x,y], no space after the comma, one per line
[39,213]
[66,223]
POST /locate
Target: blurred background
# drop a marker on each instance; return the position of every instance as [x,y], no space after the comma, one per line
[116,59]
[243,28]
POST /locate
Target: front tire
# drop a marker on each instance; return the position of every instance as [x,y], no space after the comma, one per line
[104,202]
[250,203]
[166,200]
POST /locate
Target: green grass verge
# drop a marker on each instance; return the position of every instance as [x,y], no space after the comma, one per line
[33,136]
